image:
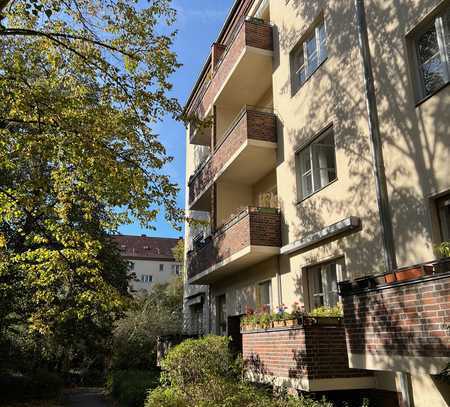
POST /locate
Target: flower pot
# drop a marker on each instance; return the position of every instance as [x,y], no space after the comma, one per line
[290,322]
[329,320]
[278,324]
[390,278]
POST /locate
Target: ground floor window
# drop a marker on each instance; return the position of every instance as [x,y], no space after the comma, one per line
[443,205]
[264,294]
[323,283]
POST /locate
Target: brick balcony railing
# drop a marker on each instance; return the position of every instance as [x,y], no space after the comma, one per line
[250,124]
[300,354]
[251,33]
[252,227]
[403,319]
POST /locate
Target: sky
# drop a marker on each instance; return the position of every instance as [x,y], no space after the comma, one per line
[198,25]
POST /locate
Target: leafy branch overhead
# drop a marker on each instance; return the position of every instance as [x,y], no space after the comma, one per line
[82,84]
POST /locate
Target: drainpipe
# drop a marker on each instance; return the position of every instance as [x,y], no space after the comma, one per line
[387,234]
[279,289]
[378,169]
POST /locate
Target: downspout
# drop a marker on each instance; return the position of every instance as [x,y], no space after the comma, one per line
[387,233]
[279,289]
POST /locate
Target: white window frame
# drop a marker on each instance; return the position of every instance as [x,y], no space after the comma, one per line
[341,275]
[311,172]
[302,47]
[444,52]
[146,278]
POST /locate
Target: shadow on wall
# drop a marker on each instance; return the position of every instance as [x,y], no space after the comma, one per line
[418,149]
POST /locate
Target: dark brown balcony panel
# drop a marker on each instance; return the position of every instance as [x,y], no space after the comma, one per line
[244,69]
[399,326]
[251,237]
[309,356]
[245,154]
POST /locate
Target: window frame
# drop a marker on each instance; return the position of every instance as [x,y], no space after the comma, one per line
[302,46]
[341,275]
[437,20]
[146,278]
[301,196]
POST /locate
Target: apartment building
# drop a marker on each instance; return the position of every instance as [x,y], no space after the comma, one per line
[152,260]
[280,162]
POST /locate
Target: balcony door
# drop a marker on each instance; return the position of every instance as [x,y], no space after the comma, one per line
[323,283]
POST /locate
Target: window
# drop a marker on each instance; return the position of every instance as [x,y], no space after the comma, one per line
[308,55]
[323,283]
[317,164]
[146,278]
[176,269]
[264,294]
[443,205]
[161,267]
[432,47]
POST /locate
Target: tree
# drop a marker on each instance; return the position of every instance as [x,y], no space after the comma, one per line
[81,84]
[157,314]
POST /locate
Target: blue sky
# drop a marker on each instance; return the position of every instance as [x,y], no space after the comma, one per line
[198,24]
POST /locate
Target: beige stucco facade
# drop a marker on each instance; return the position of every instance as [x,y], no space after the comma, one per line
[416,149]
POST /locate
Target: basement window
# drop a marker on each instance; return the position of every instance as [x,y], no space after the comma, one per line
[323,283]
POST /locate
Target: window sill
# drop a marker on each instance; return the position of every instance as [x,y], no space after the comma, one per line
[316,192]
[296,90]
[423,100]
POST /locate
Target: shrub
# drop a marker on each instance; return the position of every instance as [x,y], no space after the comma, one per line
[198,361]
[130,387]
[39,385]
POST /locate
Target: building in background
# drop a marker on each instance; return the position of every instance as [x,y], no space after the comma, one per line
[282,170]
[152,260]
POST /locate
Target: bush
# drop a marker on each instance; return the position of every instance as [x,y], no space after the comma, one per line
[130,387]
[39,385]
[197,361]
[203,373]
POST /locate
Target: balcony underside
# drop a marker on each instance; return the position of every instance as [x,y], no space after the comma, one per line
[241,260]
[251,162]
[248,81]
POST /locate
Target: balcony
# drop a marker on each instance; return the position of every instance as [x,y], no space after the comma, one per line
[308,356]
[399,325]
[246,153]
[250,238]
[241,76]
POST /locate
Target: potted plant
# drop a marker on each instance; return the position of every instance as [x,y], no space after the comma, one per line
[279,316]
[248,321]
[298,313]
[327,315]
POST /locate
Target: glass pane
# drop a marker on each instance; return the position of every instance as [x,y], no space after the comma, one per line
[318,301]
[444,214]
[323,42]
[324,161]
[433,73]
[311,50]
[307,187]
[447,33]
[302,75]
[316,281]
[264,293]
[427,45]
[331,276]
[305,160]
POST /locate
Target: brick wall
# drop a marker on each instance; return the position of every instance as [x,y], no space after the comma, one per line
[408,319]
[252,227]
[313,352]
[252,124]
[251,34]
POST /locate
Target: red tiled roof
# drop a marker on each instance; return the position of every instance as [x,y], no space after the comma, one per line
[146,248]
